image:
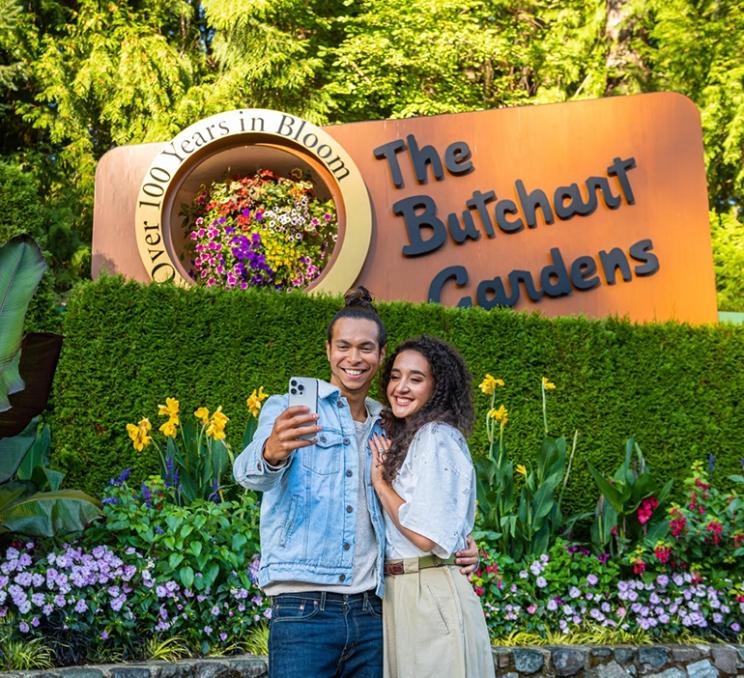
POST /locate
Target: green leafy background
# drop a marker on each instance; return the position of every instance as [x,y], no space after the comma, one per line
[128,346]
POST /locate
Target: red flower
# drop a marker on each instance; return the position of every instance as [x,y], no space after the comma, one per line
[479,591]
[646,509]
[715,528]
[639,567]
[678,523]
[663,553]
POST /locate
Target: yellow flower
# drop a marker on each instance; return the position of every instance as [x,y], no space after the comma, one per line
[254,401]
[202,414]
[138,434]
[547,384]
[521,469]
[489,384]
[169,427]
[216,428]
[170,409]
[501,415]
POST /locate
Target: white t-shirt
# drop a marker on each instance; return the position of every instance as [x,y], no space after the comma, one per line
[437,484]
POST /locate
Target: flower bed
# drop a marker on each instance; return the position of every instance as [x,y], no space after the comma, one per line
[262,230]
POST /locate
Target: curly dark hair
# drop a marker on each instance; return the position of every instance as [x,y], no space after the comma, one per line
[450,403]
[358,304]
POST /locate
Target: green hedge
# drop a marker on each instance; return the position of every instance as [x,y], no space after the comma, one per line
[676,388]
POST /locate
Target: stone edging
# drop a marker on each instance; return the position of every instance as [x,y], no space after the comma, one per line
[619,661]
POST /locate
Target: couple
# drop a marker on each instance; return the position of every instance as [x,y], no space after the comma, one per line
[373,491]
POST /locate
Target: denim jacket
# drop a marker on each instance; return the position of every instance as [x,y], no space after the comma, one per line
[307,510]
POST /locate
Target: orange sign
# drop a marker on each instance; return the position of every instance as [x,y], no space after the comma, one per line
[594,207]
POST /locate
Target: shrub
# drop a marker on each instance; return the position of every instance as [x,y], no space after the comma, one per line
[676,388]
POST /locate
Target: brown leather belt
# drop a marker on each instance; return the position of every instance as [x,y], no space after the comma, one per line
[409,565]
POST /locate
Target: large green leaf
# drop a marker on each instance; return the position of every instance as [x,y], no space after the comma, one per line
[608,491]
[21,268]
[13,451]
[38,453]
[46,514]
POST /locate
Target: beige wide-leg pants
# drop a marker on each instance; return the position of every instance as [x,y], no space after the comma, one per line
[433,625]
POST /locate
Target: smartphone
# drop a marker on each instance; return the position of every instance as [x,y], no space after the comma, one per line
[304,391]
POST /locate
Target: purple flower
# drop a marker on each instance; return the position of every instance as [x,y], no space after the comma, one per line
[109,500]
[574,592]
[146,495]
[592,579]
[123,477]
[541,582]
[23,627]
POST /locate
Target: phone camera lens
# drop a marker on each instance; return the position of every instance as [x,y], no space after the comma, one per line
[293,382]
[301,387]
[293,391]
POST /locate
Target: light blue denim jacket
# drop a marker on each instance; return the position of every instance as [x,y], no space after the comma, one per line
[308,507]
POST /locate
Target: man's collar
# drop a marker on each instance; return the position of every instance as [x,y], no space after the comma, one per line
[326,390]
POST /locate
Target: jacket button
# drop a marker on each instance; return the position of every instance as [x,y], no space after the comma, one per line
[349,509]
[347,546]
[346,441]
[339,403]
[322,439]
[342,577]
[349,473]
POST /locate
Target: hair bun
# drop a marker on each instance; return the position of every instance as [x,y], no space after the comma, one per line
[358,296]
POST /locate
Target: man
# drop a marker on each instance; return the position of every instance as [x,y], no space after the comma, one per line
[322,531]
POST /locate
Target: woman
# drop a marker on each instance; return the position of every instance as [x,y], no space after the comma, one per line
[423,475]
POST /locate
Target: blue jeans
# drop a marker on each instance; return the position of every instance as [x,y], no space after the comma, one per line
[325,635]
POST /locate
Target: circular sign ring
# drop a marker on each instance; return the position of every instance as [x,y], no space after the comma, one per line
[247,127]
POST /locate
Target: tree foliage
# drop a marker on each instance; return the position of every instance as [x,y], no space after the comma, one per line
[77,78]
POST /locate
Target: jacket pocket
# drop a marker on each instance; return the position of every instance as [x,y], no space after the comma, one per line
[326,457]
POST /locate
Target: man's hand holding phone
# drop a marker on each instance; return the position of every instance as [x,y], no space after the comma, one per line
[297,425]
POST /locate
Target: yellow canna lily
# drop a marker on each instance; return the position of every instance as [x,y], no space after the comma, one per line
[547,384]
[202,414]
[489,384]
[170,427]
[521,469]
[170,409]
[138,434]
[501,415]
[216,428]
[253,403]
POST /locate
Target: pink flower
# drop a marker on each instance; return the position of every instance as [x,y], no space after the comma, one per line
[532,608]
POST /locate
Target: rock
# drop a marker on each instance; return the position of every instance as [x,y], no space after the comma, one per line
[686,654]
[568,661]
[624,655]
[669,673]
[129,672]
[653,657]
[601,652]
[183,669]
[501,658]
[610,670]
[214,669]
[702,669]
[724,658]
[528,661]
[81,672]
[248,667]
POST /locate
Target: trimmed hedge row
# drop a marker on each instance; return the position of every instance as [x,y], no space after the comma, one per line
[677,388]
